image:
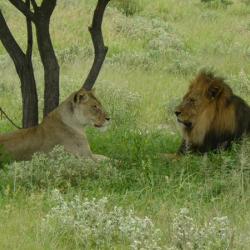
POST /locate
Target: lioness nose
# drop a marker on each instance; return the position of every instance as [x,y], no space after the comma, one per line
[177,113]
[107,118]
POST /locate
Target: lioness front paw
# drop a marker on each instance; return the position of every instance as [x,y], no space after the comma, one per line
[100,158]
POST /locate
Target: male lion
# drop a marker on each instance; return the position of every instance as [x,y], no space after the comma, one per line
[63,126]
[211,115]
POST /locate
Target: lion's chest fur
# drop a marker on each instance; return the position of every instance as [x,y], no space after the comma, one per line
[215,129]
[218,127]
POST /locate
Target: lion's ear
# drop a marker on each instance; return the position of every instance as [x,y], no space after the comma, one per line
[80,97]
[214,91]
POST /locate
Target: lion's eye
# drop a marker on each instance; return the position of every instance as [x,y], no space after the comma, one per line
[192,100]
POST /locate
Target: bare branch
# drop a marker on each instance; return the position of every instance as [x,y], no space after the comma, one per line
[22,7]
[48,7]
[9,42]
[29,35]
[34,5]
[97,39]
[24,69]
[7,117]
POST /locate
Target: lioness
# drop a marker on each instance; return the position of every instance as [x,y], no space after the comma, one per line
[63,126]
[211,115]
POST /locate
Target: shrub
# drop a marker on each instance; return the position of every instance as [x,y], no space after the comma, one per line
[94,224]
[247,2]
[91,224]
[58,169]
[217,3]
[155,38]
[155,33]
[216,234]
[128,7]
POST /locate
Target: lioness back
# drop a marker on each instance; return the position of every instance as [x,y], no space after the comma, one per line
[211,115]
[22,143]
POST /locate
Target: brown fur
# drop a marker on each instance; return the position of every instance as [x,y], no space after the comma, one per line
[211,115]
[63,126]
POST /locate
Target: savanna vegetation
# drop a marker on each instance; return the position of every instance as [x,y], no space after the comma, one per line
[139,201]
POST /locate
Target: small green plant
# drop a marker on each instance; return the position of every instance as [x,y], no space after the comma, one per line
[128,7]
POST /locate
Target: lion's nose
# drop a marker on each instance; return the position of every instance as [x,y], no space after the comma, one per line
[107,118]
[177,113]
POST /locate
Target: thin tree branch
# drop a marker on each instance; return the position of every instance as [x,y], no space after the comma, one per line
[7,117]
[34,5]
[97,38]
[22,7]
[29,35]
[24,69]
[9,42]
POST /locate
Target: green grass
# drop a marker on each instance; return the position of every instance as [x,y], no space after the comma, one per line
[155,48]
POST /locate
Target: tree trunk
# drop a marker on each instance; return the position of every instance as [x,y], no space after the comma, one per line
[25,72]
[29,96]
[40,16]
[50,64]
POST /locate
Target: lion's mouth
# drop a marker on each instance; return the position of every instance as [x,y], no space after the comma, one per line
[98,125]
[187,124]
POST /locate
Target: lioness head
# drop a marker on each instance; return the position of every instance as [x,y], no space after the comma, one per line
[205,96]
[88,110]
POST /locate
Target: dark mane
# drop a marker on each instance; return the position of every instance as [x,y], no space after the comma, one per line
[209,76]
[226,119]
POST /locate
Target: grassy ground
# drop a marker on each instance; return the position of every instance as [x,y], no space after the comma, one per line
[155,48]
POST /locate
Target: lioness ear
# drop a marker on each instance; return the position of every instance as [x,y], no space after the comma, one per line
[80,97]
[214,91]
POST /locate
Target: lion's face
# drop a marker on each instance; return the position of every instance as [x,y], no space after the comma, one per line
[194,103]
[199,104]
[88,110]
